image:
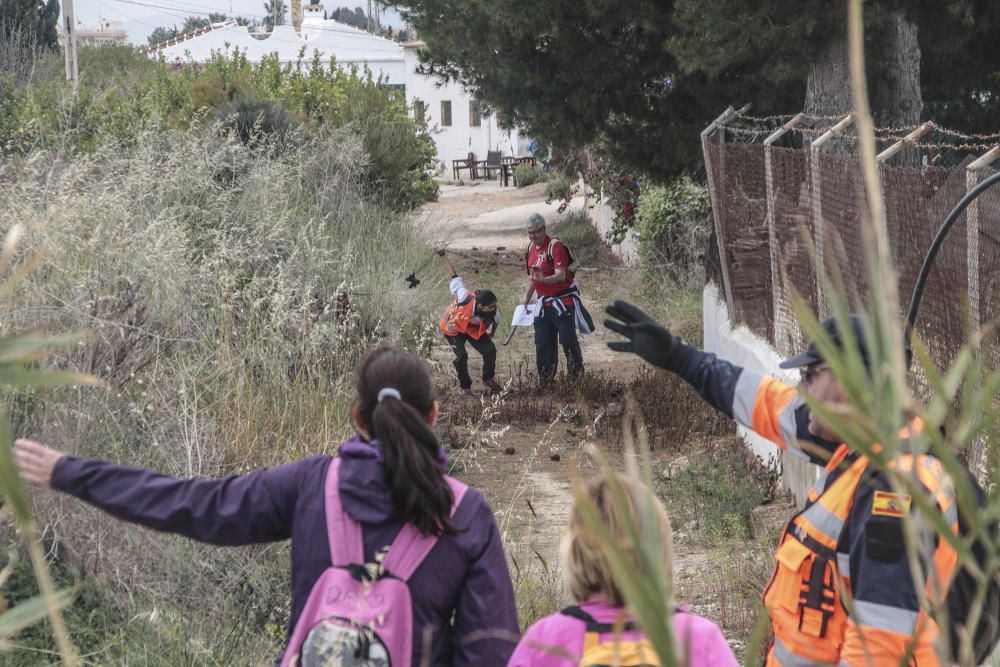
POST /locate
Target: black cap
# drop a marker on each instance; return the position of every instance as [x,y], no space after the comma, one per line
[831,327]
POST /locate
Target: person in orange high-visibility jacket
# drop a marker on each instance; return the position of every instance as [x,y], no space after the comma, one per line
[842,592]
[471,318]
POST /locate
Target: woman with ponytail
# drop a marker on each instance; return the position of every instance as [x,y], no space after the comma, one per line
[389,481]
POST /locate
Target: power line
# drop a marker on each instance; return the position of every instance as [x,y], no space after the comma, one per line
[130,18]
[195,8]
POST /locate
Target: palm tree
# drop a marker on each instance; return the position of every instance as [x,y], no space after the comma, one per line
[274,10]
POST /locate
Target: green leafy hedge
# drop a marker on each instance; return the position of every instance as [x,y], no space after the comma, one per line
[122,93]
[673,225]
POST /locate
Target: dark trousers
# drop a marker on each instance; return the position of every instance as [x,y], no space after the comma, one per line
[550,328]
[484,346]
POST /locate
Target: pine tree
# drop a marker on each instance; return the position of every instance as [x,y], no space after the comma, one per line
[35,20]
[639,79]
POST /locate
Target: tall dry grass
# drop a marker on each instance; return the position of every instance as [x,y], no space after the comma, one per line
[227,290]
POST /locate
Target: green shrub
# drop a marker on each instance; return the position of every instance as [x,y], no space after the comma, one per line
[525,175]
[719,488]
[560,186]
[673,226]
[576,230]
[254,119]
[123,93]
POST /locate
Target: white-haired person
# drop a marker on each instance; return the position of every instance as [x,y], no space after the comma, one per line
[551,276]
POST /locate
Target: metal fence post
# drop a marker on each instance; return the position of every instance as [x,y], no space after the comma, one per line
[779,309]
[716,204]
[817,208]
[972,234]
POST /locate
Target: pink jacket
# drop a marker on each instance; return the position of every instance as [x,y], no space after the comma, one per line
[708,648]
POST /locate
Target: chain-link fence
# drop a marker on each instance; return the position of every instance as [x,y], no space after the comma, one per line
[787,191]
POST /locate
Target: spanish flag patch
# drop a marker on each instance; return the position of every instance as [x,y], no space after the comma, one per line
[890,504]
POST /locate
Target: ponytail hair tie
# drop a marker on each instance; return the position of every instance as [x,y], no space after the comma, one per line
[389,392]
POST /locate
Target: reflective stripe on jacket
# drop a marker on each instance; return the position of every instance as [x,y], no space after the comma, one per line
[846,549]
[457,319]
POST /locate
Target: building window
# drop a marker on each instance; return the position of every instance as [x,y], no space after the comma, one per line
[475,114]
[446,113]
[419,111]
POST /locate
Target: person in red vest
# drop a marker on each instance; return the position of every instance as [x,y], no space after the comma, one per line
[550,269]
[471,318]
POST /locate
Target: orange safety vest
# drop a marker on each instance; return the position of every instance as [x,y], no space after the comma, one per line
[457,319]
[807,596]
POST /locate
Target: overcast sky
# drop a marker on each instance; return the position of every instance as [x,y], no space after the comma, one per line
[142,16]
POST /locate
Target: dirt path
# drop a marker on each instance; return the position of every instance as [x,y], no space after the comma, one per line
[486,216]
[523,449]
[525,471]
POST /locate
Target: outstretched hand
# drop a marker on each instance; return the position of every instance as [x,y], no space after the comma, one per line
[646,337]
[35,461]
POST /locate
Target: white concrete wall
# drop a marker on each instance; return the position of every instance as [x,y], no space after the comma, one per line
[459,139]
[603,217]
[744,348]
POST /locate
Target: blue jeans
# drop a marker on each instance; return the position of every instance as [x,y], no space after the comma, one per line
[550,328]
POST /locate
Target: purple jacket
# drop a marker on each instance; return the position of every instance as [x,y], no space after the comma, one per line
[466,574]
[708,648]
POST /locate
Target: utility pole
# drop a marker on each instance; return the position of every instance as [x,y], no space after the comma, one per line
[69,44]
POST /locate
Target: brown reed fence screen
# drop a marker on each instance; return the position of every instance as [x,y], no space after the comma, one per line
[788,190]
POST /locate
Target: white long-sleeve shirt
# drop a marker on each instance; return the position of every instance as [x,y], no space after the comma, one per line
[459,292]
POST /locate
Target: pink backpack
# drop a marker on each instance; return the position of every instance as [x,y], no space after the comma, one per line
[350,619]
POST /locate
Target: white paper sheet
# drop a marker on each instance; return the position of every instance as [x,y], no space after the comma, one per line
[524,317]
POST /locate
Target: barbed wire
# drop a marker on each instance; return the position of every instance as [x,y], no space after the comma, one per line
[962,135]
[764,119]
[786,117]
[970,140]
[888,134]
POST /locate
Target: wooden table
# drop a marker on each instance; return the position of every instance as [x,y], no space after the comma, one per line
[464,163]
[506,171]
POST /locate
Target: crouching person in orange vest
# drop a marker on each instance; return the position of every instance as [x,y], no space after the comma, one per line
[846,549]
[466,321]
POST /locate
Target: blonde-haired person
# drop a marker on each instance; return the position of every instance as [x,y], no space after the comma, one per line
[585,634]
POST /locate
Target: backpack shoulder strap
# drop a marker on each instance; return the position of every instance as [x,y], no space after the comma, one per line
[579,614]
[411,547]
[344,533]
[569,253]
[552,244]
[592,624]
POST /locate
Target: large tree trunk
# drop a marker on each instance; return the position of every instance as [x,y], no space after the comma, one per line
[828,87]
[892,56]
[894,72]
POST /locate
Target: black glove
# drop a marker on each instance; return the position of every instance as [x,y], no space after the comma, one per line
[646,337]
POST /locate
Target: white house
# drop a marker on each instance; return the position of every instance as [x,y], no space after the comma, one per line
[105,33]
[453,116]
[347,44]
